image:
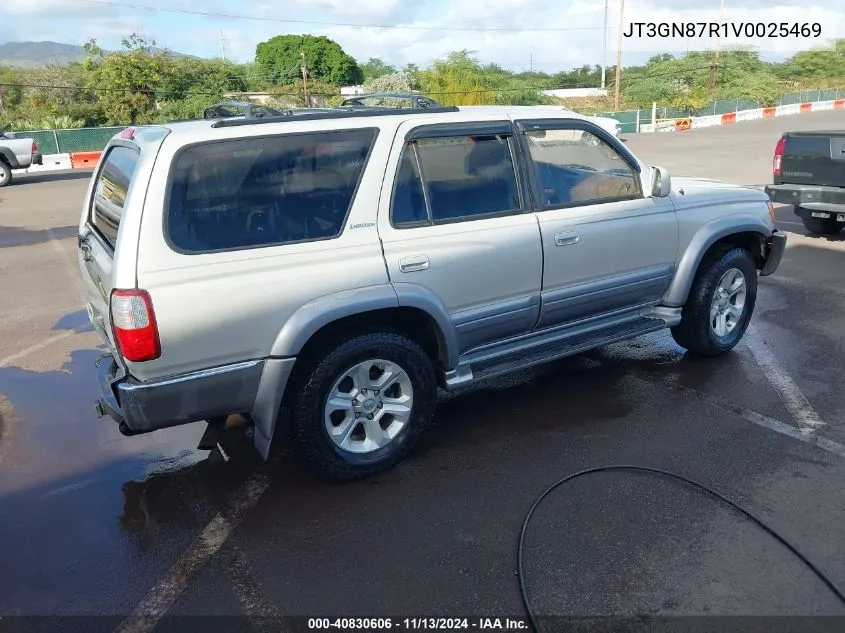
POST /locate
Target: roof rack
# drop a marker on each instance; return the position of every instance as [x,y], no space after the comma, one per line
[314,114]
[228,109]
[417,100]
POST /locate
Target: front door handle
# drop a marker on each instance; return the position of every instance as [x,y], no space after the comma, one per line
[413,263]
[566,238]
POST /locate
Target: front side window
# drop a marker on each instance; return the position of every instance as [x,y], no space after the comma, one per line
[454,178]
[265,191]
[574,167]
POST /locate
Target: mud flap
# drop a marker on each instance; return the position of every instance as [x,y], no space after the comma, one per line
[213,432]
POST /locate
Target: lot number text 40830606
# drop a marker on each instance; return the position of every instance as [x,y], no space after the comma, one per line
[723,29]
[416,624]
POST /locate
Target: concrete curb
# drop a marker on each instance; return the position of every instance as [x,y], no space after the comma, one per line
[51,162]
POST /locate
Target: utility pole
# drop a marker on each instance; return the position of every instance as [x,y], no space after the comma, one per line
[532,61]
[714,68]
[604,49]
[619,54]
[222,46]
[304,79]
[714,63]
[2,105]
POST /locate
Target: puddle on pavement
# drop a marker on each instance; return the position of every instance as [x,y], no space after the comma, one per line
[86,502]
[77,321]
[11,236]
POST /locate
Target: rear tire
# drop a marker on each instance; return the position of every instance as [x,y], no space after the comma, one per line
[822,226]
[720,303]
[5,173]
[363,405]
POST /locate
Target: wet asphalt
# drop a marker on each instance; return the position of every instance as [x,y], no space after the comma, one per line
[91,521]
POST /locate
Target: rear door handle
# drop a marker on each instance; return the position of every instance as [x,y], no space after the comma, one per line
[566,238]
[413,263]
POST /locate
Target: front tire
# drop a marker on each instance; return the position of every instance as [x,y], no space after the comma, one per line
[720,303]
[5,173]
[364,404]
[822,226]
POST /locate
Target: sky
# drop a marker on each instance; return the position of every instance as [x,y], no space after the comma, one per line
[546,35]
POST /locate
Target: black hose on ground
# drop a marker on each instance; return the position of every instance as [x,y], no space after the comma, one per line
[615,468]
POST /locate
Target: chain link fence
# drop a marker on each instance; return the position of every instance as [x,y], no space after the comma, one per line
[810,95]
[91,139]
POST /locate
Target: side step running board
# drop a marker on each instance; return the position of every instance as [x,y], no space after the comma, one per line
[545,350]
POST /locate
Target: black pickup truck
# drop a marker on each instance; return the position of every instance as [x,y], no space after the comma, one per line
[808,172]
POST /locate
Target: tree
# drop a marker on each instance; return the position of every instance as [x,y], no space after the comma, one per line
[128,83]
[818,63]
[10,96]
[325,60]
[375,68]
[394,82]
[457,79]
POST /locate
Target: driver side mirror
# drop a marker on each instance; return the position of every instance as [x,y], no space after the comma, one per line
[661,184]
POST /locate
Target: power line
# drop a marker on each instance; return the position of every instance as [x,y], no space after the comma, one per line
[259,18]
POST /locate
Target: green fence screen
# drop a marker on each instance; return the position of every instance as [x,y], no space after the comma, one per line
[91,139]
[810,96]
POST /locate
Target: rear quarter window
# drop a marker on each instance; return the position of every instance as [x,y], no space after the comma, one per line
[265,191]
[111,191]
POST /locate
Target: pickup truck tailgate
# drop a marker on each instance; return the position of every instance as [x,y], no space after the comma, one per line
[813,158]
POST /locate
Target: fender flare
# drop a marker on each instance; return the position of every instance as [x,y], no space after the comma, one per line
[312,316]
[705,237]
[10,157]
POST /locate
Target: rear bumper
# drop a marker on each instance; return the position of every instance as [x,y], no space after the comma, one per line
[144,407]
[806,194]
[775,247]
[37,159]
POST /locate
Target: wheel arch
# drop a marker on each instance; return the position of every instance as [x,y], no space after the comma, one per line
[8,156]
[409,308]
[749,233]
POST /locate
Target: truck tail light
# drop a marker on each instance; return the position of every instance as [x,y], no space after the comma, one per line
[777,161]
[134,325]
[34,147]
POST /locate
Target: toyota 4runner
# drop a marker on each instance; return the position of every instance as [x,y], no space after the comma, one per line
[326,272]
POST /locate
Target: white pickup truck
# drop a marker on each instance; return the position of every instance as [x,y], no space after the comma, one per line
[16,153]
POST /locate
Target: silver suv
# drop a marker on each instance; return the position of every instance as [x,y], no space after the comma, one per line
[330,270]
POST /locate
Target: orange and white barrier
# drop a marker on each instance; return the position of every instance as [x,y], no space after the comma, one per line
[730,118]
[84,160]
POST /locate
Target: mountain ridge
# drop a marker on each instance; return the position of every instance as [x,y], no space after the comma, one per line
[30,54]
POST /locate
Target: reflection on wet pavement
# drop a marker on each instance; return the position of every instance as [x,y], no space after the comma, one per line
[15,236]
[83,500]
[77,321]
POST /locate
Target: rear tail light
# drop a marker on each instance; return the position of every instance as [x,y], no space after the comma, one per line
[34,147]
[134,325]
[777,161]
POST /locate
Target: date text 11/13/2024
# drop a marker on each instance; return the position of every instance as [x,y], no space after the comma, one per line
[417,624]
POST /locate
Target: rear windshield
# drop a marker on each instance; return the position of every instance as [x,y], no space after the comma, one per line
[265,191]
[111,191]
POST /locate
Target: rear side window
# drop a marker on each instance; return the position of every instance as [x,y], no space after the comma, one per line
[111,191]
[453,179]
[266,191]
